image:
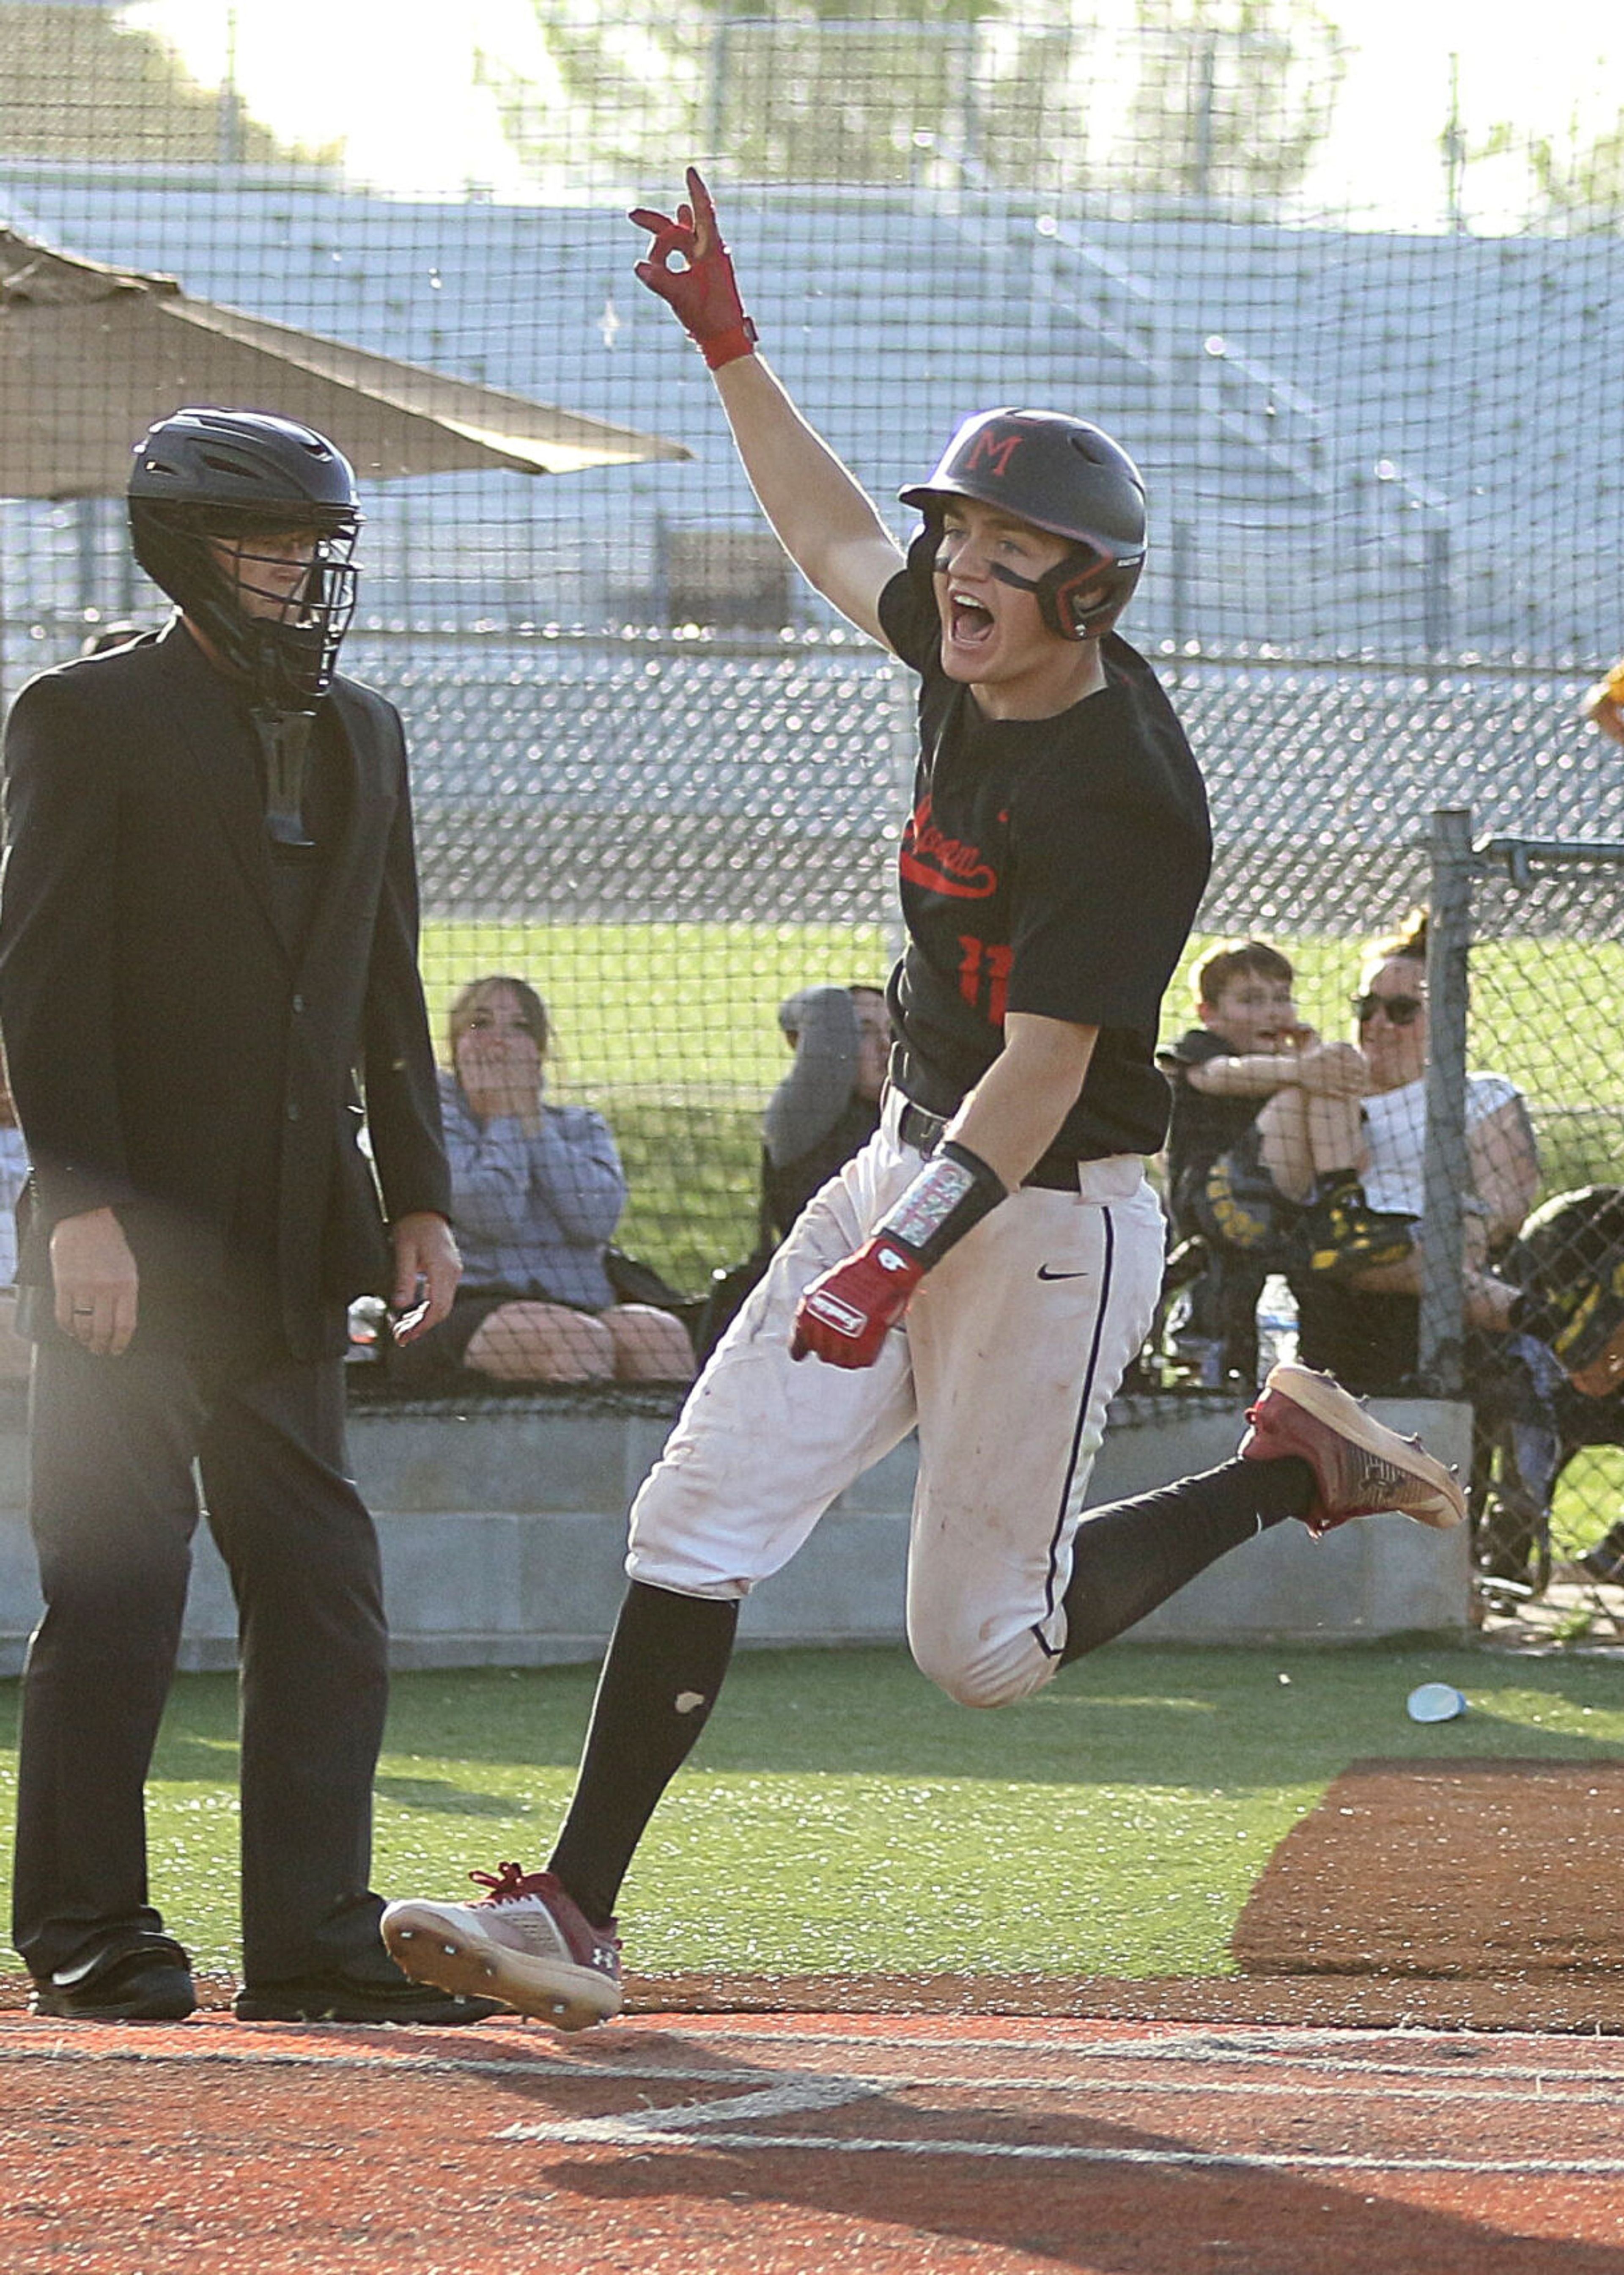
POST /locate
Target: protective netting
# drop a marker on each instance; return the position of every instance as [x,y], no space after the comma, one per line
[1543,974]
[1376,382]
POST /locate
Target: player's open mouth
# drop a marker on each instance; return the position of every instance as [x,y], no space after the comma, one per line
[967,622]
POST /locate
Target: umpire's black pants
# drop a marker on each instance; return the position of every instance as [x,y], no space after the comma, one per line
[113,1507]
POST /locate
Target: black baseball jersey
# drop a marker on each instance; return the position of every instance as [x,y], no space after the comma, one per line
[1051,866]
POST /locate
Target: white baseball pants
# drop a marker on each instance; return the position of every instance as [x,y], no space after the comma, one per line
[1007,1359]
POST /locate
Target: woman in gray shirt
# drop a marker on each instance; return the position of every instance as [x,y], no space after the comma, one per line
[537,1190]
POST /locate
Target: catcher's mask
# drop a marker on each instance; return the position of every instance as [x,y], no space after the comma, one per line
[248,482]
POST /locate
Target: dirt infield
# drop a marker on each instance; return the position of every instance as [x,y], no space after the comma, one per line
[1360,2113]
[703,2146]
[1498,1871]
[1592,2005]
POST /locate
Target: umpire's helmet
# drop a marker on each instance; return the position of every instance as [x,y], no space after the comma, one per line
[1568,1259]
[1061,475]
[225,474]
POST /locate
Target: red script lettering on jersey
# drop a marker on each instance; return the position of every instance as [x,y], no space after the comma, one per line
[943,865]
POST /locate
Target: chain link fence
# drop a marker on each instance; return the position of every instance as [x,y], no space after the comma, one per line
[655,778]
[1537,938]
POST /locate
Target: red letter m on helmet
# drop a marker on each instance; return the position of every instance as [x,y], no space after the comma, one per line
[993,451]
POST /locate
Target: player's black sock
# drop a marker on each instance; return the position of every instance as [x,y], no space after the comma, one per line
[665,1665]
[1131,1557]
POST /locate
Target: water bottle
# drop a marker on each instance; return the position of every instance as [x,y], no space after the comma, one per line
[1277,1324]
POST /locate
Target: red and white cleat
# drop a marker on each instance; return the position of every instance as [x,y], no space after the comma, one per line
[527,1942]
[1361,1468]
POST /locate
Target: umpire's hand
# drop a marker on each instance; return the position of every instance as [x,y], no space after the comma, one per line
[96,1285]
[427,1268]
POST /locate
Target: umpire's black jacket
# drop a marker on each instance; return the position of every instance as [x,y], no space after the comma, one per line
[179,1050]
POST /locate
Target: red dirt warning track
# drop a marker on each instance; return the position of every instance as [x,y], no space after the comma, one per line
[702,2145]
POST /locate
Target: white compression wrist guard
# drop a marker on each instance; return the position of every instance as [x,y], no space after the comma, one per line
[951,1194]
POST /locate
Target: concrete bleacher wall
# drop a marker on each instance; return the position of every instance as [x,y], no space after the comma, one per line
[503,1532]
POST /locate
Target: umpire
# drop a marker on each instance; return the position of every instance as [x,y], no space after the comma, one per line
[208,923]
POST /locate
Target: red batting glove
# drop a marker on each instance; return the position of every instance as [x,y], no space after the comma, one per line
[704,293]
[847,1312]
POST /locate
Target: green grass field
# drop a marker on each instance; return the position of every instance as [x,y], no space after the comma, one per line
[840,1814]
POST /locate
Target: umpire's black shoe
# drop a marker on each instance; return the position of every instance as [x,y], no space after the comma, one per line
[144,1981]
[370,1998]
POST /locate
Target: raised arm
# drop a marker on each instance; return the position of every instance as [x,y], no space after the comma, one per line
[824,518]
[577,1166]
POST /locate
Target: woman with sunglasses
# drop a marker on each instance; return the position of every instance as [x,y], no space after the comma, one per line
[1365,1325]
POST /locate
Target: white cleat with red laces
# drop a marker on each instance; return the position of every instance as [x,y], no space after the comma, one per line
[527,1942]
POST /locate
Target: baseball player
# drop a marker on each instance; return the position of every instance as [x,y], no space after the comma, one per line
[986,1266]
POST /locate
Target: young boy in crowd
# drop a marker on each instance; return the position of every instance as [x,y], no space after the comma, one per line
[1235,1179]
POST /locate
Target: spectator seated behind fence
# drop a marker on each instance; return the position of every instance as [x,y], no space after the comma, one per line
[827,1105]
[1367,1314]
[537,1190]
[1568,1262]
[1365,1320]
[1255,1164]
[825,1110]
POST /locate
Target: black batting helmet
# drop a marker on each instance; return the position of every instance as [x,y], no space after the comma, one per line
[204,474]
[1568,1259]
[1063,476]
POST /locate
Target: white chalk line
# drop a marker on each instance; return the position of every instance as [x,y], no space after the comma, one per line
[637,2134]
[787,2098]
[1287,2050]
[712,2123]
[1552,2088]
